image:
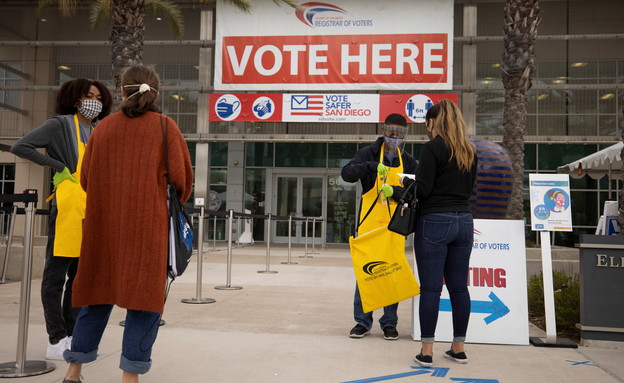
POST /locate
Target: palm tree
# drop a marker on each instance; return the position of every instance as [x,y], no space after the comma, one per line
[128,24]
[518,66]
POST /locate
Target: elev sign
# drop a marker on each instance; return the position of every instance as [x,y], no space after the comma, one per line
[345,44]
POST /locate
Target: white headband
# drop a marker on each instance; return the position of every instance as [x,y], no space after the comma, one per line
[142,89]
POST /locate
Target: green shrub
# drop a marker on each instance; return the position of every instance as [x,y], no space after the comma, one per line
[567,301]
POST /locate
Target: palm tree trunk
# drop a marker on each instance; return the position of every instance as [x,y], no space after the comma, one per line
[520,32]
[126,37]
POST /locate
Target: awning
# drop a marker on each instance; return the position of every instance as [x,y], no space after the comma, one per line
[608,161]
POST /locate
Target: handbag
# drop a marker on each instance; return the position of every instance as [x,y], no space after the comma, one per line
[180,229]
[403,220]
[383,275]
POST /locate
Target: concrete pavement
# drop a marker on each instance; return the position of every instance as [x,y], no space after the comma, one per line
[293,326]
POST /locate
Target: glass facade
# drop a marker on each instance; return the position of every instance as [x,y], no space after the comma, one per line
[575,105]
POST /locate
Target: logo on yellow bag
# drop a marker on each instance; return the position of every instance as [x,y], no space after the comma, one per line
[370,266]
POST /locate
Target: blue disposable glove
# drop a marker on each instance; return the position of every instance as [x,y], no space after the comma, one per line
[386,190]
[382,169]
[62,176]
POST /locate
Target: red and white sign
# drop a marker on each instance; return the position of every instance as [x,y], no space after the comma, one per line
[307,107]
[497,283]
[342,45]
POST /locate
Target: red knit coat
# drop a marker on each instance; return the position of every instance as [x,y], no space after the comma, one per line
[123,258]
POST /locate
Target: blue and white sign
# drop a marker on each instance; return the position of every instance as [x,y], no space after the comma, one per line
[263,108]
[228,107]
[550,202]
[416,108]
[497,283]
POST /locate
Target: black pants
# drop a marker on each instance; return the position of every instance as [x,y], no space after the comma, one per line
[56,289]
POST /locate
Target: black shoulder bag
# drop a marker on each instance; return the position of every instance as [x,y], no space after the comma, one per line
[403,220]
[180,230]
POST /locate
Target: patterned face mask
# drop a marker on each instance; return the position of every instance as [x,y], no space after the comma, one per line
[90,109]
[392,142]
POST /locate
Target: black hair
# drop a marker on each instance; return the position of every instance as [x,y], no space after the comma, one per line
[72,91]
[396,119]
[131,79]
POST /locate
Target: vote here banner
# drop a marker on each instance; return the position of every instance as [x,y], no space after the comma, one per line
[335,45]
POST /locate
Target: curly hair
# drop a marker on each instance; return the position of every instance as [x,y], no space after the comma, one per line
[73,90]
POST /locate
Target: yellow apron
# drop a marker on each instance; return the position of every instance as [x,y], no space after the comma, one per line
[71,202]
[380,214]
[383,275]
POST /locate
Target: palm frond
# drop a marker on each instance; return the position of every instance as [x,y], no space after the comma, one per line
[171,12]
[99,13]
[68,7]
[290,3]
[243,5]
[44,4]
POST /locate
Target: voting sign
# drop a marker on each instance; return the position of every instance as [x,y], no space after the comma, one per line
[497,284]
[340,44]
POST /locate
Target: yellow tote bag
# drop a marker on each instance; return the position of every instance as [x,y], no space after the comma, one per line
[382,272]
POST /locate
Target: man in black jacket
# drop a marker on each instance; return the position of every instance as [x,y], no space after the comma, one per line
[377,167]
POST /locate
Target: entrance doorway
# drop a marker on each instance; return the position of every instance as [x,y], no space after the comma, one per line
[298,195]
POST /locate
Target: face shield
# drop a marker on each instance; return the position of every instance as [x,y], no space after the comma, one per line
[394,136]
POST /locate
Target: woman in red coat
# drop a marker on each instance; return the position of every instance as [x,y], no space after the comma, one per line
[125,233]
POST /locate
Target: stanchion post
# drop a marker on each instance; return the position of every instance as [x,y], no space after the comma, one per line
[214,233]
[22,367]
[305,252]
[268,249]
[313,233]
[199,202]
[289,242]
[9,243]
[228,285]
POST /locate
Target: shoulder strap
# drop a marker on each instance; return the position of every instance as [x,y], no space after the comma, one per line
[164,133]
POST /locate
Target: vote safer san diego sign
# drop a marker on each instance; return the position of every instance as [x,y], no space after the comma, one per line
[320,107]
[338,45]
[497,283]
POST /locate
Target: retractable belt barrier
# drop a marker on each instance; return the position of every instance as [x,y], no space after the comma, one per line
[22,367]
[229,215]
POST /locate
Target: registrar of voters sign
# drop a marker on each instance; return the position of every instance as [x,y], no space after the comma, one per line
[497,284]
[550,202]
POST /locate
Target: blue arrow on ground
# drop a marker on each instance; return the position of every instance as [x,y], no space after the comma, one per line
[495,307]
[474,380]
[439,372]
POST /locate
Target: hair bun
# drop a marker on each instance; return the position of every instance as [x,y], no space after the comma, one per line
[144,88]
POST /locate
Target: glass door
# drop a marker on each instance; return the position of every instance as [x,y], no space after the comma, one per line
[298,196]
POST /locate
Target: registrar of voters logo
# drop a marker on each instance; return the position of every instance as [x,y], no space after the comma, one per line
[307,12]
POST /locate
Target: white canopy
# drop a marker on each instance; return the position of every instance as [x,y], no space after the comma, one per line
[608,161]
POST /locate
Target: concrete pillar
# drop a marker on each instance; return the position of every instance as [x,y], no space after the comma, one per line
[469,68]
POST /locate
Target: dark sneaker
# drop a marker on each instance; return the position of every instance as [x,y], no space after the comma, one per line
[459,357]
[390,333]
[424,360]
[358,331]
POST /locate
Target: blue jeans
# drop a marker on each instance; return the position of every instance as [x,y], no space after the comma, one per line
[389,318]
[442,245]
[139,335]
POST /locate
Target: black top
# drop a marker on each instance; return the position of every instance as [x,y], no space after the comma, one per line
[440,185]
[363,167]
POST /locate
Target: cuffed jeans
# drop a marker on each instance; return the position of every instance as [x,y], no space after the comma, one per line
[442,245]
[140,332]
[56,288]
[389,317]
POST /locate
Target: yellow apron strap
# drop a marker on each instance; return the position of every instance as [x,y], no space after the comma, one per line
[71,201]
[382,211]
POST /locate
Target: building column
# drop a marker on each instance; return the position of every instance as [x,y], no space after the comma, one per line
[469,69]
[202,152]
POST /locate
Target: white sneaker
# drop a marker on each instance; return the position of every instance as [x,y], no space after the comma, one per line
[55,351]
